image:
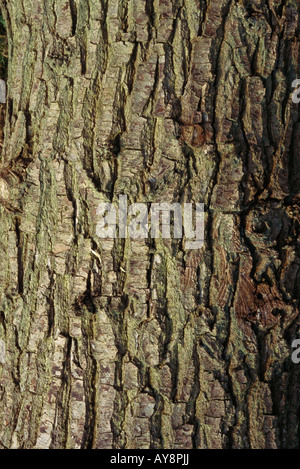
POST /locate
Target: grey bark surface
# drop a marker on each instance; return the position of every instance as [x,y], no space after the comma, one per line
[144,344]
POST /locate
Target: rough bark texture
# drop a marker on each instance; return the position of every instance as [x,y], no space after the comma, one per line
[143,344]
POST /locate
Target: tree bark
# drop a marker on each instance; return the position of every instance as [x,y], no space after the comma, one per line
[141,343]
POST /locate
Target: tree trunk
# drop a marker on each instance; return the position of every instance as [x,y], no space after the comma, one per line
[123,343]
